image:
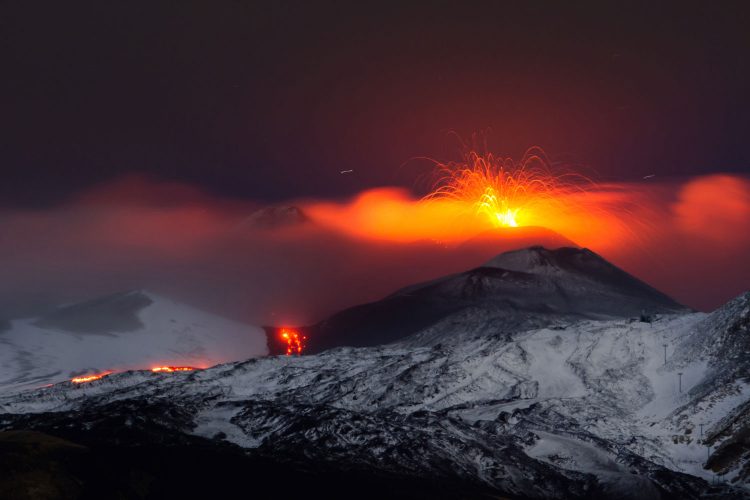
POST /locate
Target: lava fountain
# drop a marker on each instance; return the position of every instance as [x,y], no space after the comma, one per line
[484,192]
[505,192]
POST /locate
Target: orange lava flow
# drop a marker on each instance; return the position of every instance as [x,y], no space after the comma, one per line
[170,369]
[295,342]
[89,378]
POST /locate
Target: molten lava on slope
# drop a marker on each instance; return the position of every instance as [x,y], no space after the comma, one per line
[170,369]
[295,341]
[157,369]
[89,378]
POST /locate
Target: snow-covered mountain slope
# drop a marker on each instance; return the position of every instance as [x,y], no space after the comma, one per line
[514,291]
[584,410]
[128,330]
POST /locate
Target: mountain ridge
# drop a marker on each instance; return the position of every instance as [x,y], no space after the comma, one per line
[537,286]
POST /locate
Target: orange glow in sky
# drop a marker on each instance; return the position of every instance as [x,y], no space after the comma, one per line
[484,192]
[506,192]
[170,369]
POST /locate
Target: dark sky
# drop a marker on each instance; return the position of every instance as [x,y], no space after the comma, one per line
[269,100]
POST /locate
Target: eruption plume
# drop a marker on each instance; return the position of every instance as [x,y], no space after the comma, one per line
[484,191]
[505,192]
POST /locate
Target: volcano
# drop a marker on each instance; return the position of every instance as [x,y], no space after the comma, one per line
[274,217]
[516,290]
[540,378]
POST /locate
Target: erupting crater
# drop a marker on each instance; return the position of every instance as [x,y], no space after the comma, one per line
[507,193]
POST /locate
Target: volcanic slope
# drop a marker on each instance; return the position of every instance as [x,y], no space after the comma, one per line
[590,410]
[127,330]
[516,290]
[581,408]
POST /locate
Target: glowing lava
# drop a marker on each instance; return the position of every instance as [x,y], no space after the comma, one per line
[89,378]
[507,193]
[295,342]
[170,369]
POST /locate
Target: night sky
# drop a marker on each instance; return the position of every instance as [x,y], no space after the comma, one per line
[138,137]
[270,100]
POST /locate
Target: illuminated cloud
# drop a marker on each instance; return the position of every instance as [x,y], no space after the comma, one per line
[174,239]
[715,207]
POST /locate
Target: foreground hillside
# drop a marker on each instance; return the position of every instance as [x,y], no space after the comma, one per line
[548,374]
[576,410]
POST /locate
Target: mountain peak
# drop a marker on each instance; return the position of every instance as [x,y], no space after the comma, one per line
[536,259]
[520,289]
[577,269]
[276,216]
